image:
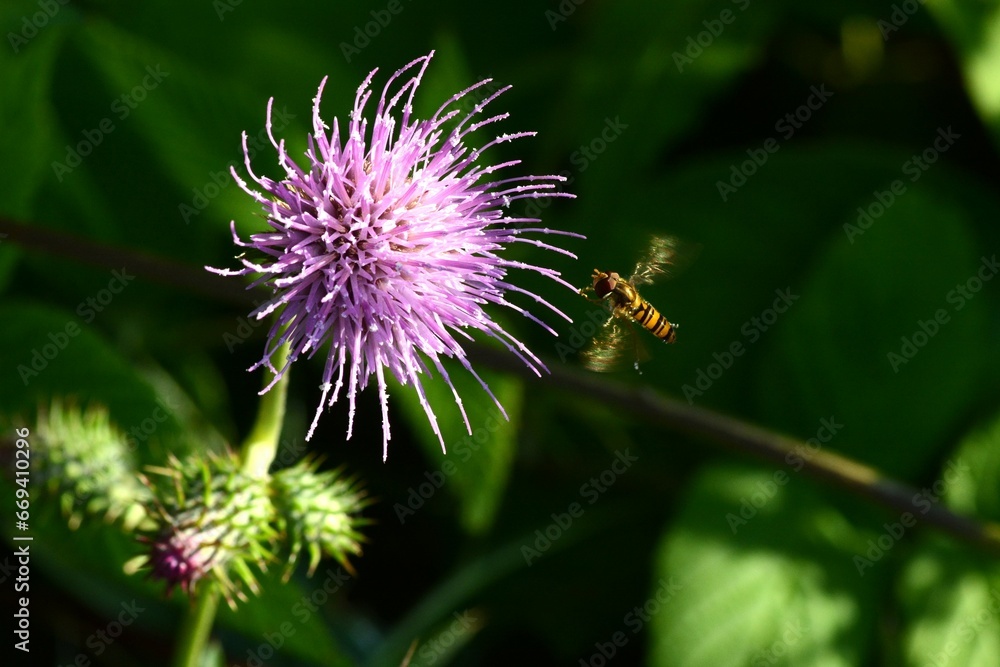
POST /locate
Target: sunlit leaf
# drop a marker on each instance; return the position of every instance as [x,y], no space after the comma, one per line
[766,576]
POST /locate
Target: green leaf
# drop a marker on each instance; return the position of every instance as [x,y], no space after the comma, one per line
[293,616]
[882,339]
[971,477]
[476,465]
[950,600]
[660,79]
[27,117]
[445,604]
[52,353]
[974,30]
[184,118]
[766,576]
[29,126]
[949,596]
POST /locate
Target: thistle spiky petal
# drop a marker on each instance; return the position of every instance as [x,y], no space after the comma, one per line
[389,238]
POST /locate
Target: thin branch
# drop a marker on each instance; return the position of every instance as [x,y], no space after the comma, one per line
[733,434]
[744,438]
[168,272]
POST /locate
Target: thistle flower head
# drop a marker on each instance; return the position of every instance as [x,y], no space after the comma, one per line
[386,242]
[213,521]
[86,462]
[217,521]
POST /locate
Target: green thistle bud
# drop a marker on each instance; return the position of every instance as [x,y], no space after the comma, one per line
[88,465]
[318,513]
[215,521]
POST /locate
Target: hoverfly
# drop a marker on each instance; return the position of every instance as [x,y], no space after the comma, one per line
[622,299]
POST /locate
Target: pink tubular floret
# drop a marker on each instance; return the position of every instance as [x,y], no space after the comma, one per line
[384,244]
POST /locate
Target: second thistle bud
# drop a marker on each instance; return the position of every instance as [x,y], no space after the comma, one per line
[217,521]
[318,512]
[86,463]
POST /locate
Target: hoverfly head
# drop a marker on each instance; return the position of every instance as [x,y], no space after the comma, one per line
[604,283]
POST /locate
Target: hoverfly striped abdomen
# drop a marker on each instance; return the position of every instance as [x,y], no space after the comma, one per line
[654,321]
[621,297]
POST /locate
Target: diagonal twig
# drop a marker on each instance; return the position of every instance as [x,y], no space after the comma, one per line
[733,434]
[744,438]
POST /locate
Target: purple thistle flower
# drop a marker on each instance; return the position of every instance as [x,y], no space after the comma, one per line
[180,558]
[386,244]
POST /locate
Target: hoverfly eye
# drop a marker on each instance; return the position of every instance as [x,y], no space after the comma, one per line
[604,286]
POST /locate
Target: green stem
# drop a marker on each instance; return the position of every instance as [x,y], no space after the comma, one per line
[259,450]
[197,627]
[261,445]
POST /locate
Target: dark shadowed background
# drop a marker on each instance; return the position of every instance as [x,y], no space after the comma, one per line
[835,164]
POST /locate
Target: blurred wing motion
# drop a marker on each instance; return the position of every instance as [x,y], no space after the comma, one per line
[608,350]
[614,347]
[664,256]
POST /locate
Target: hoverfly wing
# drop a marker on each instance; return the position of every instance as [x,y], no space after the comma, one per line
[665,256]
[614,348]
[606,350]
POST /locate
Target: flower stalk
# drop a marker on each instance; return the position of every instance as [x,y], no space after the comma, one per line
[258,452]
[261,445]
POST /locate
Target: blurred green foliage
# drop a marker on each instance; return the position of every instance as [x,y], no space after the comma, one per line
[844,155]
